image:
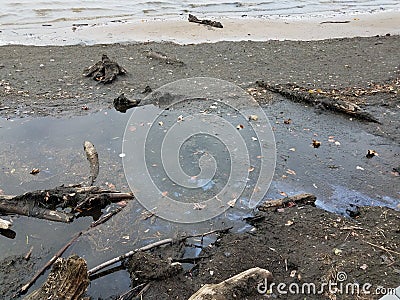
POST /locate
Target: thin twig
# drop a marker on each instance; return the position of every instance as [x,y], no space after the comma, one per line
[105,217]
[382,248]
[139,296]
[28,254]
[151,246]
[130,292]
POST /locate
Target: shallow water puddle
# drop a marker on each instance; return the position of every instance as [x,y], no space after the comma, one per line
[337,172]
[55,147]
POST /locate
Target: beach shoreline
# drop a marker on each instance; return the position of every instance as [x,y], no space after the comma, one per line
[183,32]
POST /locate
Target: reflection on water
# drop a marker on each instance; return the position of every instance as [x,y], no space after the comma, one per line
[55,147]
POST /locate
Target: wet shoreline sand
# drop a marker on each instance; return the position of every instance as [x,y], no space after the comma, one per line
[40,81]
[182,32]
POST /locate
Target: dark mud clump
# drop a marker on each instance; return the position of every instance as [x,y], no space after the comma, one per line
[145,267]
[14,273]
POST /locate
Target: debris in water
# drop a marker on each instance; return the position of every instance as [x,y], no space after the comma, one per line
[232,203]
[316,143]
[93,158]
[371,153]
[291,172]
[34,171]
[198,206]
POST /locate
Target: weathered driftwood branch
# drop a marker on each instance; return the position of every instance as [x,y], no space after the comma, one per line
[48,204]
[236,287]
[68,279]
[151,246]
[16,206]
[300,199]
[194,19]
[104,71]
[331,101]
[163,57]
[4,224]
[93,159]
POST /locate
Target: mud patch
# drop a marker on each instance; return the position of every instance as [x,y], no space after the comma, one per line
[13,270]
[318,247]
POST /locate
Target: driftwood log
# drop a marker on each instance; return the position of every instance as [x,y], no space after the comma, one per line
[300,199]
[61,203]
[330,100]
[163,57]
[122,104]
[194,19]
[239,286]
[104,71]
[68,279]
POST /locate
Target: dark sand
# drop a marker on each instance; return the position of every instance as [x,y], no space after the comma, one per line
[42,81]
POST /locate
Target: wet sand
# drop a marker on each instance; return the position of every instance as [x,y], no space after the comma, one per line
[38,81]
[182,32]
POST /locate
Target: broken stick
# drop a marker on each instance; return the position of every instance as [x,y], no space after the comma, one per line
[302,199]
[151,246]
[239,286]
